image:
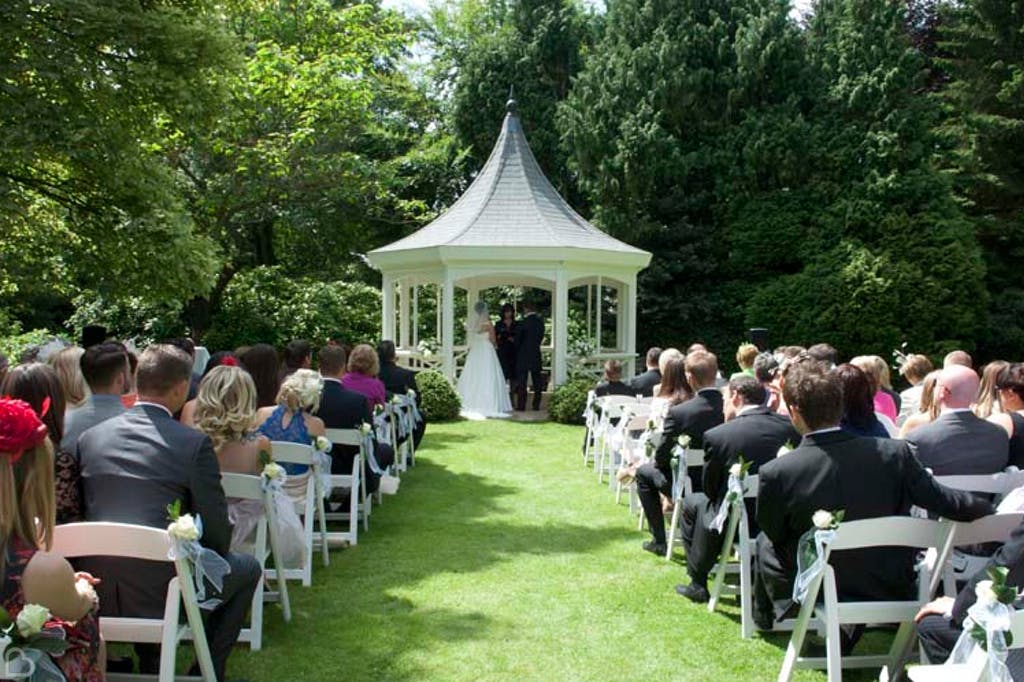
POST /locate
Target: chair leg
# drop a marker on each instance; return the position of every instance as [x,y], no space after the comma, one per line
[746,594]
[322,517]
[673,528]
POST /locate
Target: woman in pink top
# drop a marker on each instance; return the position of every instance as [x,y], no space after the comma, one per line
[884,404]
[362,375]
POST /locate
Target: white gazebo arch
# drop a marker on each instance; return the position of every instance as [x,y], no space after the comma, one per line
[510,228]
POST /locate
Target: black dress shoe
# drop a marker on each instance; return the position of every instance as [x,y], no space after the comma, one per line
[655,547]
[695,592]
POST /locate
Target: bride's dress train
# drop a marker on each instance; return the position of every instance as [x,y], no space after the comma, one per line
[482,382]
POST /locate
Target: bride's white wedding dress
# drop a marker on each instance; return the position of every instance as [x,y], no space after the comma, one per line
[482,383]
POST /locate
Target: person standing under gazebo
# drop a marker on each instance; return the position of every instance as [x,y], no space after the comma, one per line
[505,330]
[528,360]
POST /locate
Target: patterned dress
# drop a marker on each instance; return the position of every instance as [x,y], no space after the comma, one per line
[80,663]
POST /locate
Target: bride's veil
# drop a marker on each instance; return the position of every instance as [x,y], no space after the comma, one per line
[476,318]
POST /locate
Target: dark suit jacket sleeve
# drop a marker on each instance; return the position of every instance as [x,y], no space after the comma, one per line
[926,492]
[770,507]
[663,457]
[208,498]
[1010,555]
[715,467]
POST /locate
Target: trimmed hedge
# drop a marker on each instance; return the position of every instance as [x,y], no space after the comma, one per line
[569,400]
[438,400]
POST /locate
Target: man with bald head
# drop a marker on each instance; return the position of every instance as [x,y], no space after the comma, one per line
[958,357]
[958,443]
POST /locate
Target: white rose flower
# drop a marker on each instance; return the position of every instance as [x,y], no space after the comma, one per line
[427,353]
[32,619]
[411,393]
[184,528]
[365,429]
[984,592]
[273,471]
[322,444]
[736,469]
[822,519]
[684,440]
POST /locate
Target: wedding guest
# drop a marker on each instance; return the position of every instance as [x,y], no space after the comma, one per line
[745,356]
[222,358]
[291,421]
[37,384]
[1010,387]
[883,402]
[31,573]
[958,442]
[189,346]
[104,367]
[832,470]
[940,622]
[754,433]
[914,369]
[134,466]
[858,408]
[66,364]
[298,354]
[928,408]
[958,357]
[663,359]
[766,370]
[93,334]
[825,354]
[674,387]
[225,411]
[362,375]
[643,384]
[987,402]
[341,408]
[260,361]
[691,418]
[613,384]
[131,396]
[398,380]
[885,382]
[505,333]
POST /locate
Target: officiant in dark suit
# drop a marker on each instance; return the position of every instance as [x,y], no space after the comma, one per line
[528,360]
[505,331]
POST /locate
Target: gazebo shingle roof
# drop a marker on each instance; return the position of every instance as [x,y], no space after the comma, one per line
[511,203]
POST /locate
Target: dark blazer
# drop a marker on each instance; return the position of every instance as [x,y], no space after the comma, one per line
[398,379]
[691,417]
[529,337]
[341,408]
[613,388]
[644,383]
[133,466]
[865,477]
[959,443]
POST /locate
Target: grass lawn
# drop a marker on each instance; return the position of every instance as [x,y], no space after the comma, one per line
[502,558]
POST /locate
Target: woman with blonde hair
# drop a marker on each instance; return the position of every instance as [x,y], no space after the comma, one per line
[883,402]
[987,402]
[69,371]
[929,406]
[31,573]
[290,420]
[225,410]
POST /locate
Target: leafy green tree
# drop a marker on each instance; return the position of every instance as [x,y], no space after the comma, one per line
[983,46]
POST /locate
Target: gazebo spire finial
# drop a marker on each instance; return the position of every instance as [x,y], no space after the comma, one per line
[512,107]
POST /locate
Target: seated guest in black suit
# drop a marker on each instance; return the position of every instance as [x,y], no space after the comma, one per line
[692,418]
[643,384]
[834,470]
[958,442]
[613,384]
[341,408]
[858,406]
[753,432]
[135,465]
[940,623]
[398,380]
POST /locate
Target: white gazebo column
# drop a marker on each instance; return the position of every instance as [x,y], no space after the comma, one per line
[448,325]
[631,328]
[621,313]
[387,327]
[560,327]
[403,315]
[597,322]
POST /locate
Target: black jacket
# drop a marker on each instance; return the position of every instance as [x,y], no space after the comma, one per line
[644,383]
[691,417]
[529,337]
[398,380]
[341,408]
[613,388]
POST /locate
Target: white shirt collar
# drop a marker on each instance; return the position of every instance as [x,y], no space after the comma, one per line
[954,410]
[162,407]
[746,408]
[821,431]
[334,379]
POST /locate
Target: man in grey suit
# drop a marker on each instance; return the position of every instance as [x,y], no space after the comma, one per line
[105,368]
[135,465]
[959,443]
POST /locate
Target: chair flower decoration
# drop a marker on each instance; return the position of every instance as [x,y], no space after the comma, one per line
[322,464]
[987,624]
[810,551]
[26,643]
[185,532]
[734,492]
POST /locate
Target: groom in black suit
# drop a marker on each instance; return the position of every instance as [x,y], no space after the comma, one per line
[528,360]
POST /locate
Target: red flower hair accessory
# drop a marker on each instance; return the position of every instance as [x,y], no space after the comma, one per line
[20,428]
[229,361]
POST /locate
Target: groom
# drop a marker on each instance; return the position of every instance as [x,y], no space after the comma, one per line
[528,340]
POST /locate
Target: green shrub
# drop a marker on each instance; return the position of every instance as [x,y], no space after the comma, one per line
[12,347]
[568,401]
[264,305]
[438,400]
[134,318]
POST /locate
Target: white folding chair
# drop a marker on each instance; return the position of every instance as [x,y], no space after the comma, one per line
[612,408]
[246,487]
[996,484]
[358,504]
[127,541]
[629,449]
[682,487]
[406,452]
[888,531]
[634,419]
[975,669]
[994,528]
[591,419]
[311,508]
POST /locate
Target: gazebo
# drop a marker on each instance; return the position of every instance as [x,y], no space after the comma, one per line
[510,227]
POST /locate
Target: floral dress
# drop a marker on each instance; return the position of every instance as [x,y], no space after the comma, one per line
[80,663]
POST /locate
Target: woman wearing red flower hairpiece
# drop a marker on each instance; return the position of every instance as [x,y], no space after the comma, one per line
[31,574]
[218,359]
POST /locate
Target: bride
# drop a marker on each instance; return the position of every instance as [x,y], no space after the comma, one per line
[482,383]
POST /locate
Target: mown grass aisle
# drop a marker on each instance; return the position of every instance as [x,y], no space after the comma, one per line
[501,558]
